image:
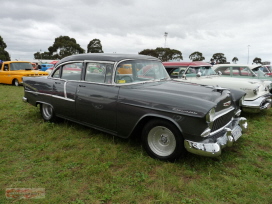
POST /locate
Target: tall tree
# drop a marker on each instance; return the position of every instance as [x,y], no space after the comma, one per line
[234,60]
[257,60]
[4,55]
[43,55]
[94,46]
[64,46]
[164,54]
[219,58]
[196,56]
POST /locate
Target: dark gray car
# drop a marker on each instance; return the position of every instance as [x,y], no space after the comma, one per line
[127,95]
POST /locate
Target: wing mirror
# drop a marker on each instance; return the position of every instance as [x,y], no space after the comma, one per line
[184,76]
[198,74]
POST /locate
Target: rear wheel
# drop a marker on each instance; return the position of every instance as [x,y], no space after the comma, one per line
[47,113]
[162,140]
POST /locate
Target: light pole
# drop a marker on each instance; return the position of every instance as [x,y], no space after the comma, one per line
[165,35]
[248,53]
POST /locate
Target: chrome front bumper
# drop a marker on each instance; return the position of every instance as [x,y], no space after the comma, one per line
[226,140]
[257,105]
[24,99]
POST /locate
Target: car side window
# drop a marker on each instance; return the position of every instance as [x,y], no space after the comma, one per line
[6,67]
[56,73]
[191,72]
[241,71]
[71,71]
[224,70]
[99,72]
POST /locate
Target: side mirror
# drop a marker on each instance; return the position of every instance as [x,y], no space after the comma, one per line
[219,73]
[184,76]
[198,74]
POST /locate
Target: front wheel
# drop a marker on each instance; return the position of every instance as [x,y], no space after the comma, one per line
[162,140]
[16,82]
[47,113]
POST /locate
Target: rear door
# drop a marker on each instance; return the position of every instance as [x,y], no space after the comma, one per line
[64,88]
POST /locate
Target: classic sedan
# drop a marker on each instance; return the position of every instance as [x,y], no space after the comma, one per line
[258,92]
[170,117]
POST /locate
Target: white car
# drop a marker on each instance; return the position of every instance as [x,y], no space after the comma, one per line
[258,92]
[243,71]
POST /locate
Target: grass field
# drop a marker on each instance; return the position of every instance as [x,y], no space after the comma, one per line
[79,165]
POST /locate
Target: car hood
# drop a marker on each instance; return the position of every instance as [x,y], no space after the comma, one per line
[243,84]
[173,96]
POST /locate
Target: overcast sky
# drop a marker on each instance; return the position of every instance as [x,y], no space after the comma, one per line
[237,28]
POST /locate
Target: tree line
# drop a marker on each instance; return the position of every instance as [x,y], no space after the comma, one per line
[64,46]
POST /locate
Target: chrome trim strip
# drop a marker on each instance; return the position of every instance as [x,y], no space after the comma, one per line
[109,62]
[224,112]
[55,96]
[60,97]
[64,89]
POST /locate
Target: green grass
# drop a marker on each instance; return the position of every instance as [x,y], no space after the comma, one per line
[79,165]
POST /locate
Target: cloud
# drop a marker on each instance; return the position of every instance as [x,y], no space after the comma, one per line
[129,26]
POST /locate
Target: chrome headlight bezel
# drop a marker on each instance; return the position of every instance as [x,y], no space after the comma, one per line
[210,116]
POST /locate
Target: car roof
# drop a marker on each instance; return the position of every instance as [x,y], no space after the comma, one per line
[16,62]
[240,65]
[195,63]
[105,57]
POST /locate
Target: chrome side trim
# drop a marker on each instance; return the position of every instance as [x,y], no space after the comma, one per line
[50,95]
[64,89]
[63,98]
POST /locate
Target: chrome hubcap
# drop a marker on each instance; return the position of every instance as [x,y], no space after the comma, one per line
[161,141]
[47,111]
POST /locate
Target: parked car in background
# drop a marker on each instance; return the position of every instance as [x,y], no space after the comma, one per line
[44,67]
[11,72]
[125,69]
[242,71]
[258,92]
[266,69]
[169,116]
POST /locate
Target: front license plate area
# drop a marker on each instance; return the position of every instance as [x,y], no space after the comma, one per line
[236,132]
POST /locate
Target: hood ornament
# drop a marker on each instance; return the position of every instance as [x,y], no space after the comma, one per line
[219,89]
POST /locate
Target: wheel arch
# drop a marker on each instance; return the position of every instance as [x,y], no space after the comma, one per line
[138,128]
[13,81]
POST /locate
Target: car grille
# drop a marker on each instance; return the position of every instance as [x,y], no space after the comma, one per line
[222,121]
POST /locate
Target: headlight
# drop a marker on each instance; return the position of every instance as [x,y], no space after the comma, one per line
[256,91]
[210,115]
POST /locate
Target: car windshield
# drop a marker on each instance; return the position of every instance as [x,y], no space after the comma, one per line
[139,71]
[203,70]
[20,66]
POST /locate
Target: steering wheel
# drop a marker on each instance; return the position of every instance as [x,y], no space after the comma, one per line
[127,78]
